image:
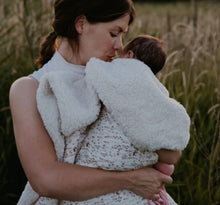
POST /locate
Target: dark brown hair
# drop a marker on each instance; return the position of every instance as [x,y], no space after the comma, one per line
[66,13]
[148,49]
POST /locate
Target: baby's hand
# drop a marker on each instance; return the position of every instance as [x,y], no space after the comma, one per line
[167,169]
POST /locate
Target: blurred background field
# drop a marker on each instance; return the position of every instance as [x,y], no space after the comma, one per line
[191,34]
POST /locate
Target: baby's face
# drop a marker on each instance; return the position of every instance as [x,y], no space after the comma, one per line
[123,55]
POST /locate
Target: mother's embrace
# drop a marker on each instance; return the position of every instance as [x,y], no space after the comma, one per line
[82,29]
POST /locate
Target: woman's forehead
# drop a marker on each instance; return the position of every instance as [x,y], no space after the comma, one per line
[121,24]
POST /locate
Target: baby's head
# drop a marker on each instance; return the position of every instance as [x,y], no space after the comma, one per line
[147,49]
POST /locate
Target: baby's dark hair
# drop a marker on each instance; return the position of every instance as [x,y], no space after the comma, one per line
[148,49]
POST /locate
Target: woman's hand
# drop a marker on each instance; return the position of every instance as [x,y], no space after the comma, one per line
[147,182]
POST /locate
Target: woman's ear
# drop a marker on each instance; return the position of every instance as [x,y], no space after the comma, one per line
[80,23]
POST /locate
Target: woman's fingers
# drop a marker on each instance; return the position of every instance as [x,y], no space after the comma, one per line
[147,182]
[156,197]
[166,179]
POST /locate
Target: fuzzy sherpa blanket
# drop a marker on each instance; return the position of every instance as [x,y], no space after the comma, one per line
[131,93]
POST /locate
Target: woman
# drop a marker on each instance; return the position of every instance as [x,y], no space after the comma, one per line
[82,27]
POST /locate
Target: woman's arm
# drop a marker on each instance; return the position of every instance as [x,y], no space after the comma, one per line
[168,156]
[61,180]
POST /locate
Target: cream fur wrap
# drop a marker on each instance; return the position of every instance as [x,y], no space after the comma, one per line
[131,93]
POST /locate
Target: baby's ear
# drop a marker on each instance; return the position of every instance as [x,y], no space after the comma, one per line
[130,54]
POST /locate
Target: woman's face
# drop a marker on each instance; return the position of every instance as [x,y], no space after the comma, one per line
[101,40]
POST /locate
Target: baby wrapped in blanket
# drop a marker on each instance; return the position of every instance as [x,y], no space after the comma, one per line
[136,119]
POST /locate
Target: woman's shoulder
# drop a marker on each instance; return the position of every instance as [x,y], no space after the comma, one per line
[24,82]
[23,87]
[22,99]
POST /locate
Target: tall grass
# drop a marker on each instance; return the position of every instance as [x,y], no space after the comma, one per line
[192,73]
[22,25]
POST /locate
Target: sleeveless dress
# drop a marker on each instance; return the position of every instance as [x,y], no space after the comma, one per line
[100,145]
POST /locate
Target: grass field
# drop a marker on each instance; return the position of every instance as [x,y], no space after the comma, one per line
[191,35]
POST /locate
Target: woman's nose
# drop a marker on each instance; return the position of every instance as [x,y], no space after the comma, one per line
[118,44]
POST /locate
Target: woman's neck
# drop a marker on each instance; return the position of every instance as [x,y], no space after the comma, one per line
[67,51]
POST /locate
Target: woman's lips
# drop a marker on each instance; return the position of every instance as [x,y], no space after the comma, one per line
[111,58]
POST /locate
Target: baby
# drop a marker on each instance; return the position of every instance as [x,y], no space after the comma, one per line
[150,51]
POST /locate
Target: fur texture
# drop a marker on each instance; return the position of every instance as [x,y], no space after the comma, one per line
[140,104]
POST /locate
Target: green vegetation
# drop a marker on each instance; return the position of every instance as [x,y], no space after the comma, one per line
[192,73]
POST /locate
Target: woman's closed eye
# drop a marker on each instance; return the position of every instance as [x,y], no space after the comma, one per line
[114,35]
